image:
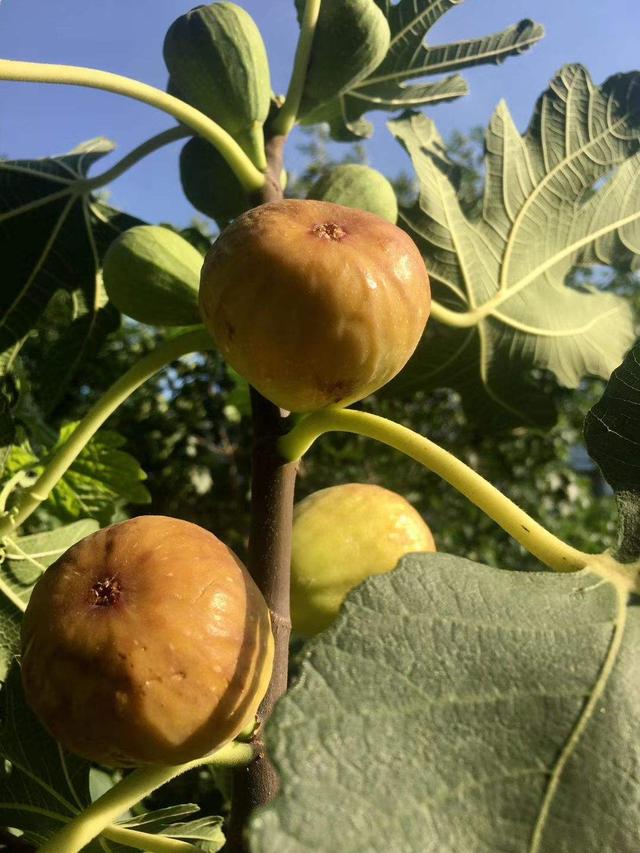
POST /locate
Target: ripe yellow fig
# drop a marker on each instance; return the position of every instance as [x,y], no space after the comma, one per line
[313,303]
[341,536]
[146,643]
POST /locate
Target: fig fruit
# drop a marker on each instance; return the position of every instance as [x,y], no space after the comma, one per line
[351,39]
[209,183]
[355,185]
[146,643]
[218,63]
[152,275]
[313,303]
[341,536]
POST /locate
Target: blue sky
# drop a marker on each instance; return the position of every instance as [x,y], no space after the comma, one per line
[126,37]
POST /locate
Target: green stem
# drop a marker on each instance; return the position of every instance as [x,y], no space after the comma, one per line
[286,118]
[9,486]
[121,389]
[138,153]
[457,319]
[550,550]
[146,841]
[249,176]
[133,788]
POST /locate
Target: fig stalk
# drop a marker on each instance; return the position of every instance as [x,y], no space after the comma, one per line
[269,560]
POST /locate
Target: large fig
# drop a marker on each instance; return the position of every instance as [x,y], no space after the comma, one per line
[146,643]
[209,183]
[152,275]
[351,38]
[218,63]
[313,303]
[341,536]
[358,186]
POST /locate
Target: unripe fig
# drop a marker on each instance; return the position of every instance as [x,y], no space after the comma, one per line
[314,304]
[209,183]
[341,536]
[152,275]
[218,63]
[146,643]
[359,186]
[351,39]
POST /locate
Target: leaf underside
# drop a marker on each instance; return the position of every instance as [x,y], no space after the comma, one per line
[565,194]
[432,715]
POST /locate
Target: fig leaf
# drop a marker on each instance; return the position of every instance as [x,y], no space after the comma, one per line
[52,238]
[438,712]
[102,478]
[563,196]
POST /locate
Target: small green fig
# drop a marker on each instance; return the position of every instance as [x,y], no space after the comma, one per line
[351,38]
[355,185]
[146,643]
[313,303]
[218,63]
[209,183]
[341,536]
[152,274]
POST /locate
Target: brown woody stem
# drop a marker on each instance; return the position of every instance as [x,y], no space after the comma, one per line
[272,488]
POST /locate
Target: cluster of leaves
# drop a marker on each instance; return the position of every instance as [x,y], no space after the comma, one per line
[518,314]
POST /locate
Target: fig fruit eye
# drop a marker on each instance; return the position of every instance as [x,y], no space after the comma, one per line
[313,303]
[341,536]
[146,643]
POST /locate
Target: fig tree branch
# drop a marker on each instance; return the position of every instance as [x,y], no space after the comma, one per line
[133,788]
[286,118]
[272,493]
[249,176]
[550,550]
[139,152]
[170,350]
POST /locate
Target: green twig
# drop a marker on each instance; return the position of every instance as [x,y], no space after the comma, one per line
[133,157]
[550,550]
[249,176]
[133,788]
[286,118]
[167,352]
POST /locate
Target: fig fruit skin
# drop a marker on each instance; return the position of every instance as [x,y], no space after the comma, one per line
[314,304]
[359,186]
[341,536]
[209,183]
[218,63]
[146,643]
[351,39]
[152,275]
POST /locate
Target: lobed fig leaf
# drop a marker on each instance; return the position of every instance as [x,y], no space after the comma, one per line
[146,643]
[151,274]
[209,183]
[355,185]
[218,63]
[341,536]
[313,303]
[351,39]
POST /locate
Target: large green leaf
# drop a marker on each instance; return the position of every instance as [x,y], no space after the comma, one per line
[99,480]
[550,197]
[453,708]
[612,434]
[409,58]
[52,236]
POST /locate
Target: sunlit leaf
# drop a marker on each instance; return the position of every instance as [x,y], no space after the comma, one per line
[502,276]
